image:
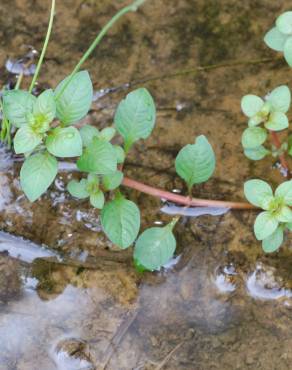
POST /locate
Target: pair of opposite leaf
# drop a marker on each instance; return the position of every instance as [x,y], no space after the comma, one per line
[279,38]
[269,112]
[277,216]
[33,116]
[35,136]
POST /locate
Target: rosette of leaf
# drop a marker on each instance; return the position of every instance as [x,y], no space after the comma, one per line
[269,112]
[279,38]
[277,216]
[30,115]
[35,136]
[88,188]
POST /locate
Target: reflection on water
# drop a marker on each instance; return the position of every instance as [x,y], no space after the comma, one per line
[57,315]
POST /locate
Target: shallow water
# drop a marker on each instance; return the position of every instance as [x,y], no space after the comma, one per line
[70,300]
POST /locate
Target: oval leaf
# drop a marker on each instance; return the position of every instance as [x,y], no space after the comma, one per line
[120,153]
[97,200]
[120,220]
[37,174]
[258,192]
[87,133]
[64,142]
[278,121]
[251,105]
[253,137]
[288,51]
[256,154]
[107,133]
[275,39]
[280,99]
[265,225]
[284,214]
[274,241]
[78,189]
[75,101]
[99,157]
[44,109]
[155,247]
[284,23]
[196,163]
[25,140]
[135,116]
[17,104]
[285,191]
[112,181]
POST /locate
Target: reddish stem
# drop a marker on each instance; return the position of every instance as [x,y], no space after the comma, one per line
[180,199]
[276,141]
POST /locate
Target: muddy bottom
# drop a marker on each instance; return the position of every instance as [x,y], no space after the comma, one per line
[70,300]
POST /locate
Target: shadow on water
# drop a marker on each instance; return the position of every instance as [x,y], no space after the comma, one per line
[68,298]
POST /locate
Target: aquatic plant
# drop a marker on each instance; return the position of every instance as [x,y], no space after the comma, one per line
[270,112]
[45,131]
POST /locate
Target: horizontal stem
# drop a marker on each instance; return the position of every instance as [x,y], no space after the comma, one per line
[180,199]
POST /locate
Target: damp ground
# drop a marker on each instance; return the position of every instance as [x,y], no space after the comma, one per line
[69,300]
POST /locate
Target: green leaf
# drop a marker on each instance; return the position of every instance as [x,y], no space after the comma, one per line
[251,105]
[112,181]
[284,214]
[26,140]
[253,137]
[37,174]
[288,51]
[274,241]
[75,101]
[285,191]
[99,157]
[107,133]
[17,104]
[196,163]
[289,226]
[265,225]
[258,192]
[280,99]
[120,220]
[78,189]
[135,116]
[255,120]
[120,153]
[275,39]
[155,247]
[97,200]
[64,142]
[256,154]
[87,133]
[284,23]
[44,109]
[278,121]
[93,179]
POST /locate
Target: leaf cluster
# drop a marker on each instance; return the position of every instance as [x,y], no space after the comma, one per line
[45,132]
[268,114]
[279,38]
[277,216]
